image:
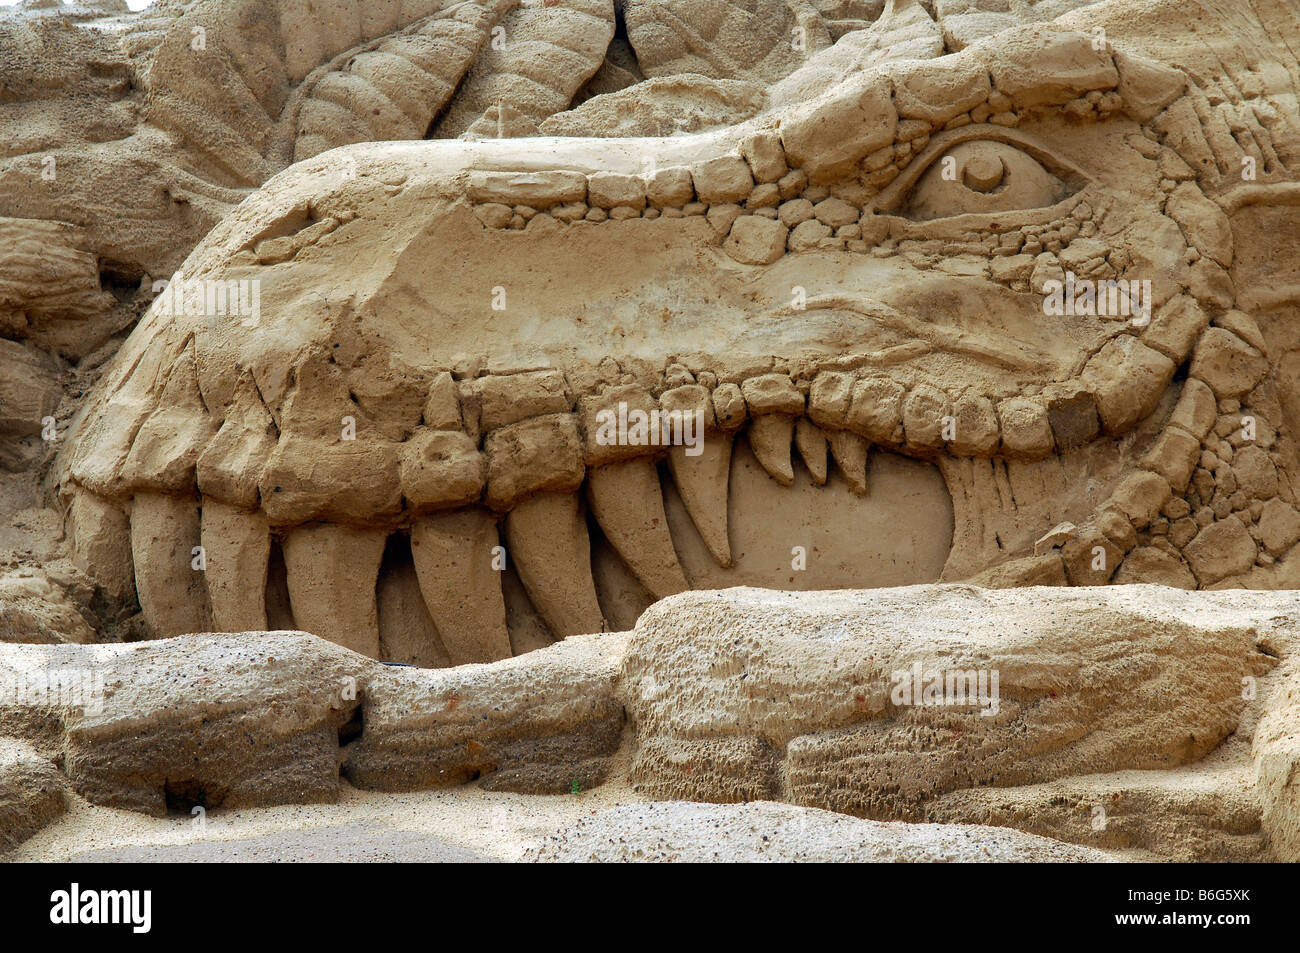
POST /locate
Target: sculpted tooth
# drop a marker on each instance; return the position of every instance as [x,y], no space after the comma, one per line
[729,406]
[461,587]
[772,394]
[236,549]
[167,446]
[332,571]
[850,452]
[629,505]
[230,467]
[702,482]
[101,537]
[605,414]
[502,399]
[774,403]
[1127,379]
[164,532]
[1026,430]
[811,442]
[548,541]
[769,438]
[407,632]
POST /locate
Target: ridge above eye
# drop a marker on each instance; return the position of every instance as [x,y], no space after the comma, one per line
[981,176]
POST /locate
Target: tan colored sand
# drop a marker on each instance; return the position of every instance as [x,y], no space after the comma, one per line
[498,826]
[467,823]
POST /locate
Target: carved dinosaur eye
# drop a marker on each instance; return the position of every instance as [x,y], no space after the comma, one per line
[983,176]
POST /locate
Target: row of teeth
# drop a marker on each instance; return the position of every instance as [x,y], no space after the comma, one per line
[333,570]
[318,495]
[1023,257]
[757,206]
[500,438]
[760,176]
[198,564]
[257,482]
[511,441]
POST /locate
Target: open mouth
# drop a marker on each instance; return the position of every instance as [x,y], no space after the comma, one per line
[515,511]
[400,436]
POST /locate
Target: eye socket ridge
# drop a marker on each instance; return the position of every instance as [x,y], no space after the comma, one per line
[894,198]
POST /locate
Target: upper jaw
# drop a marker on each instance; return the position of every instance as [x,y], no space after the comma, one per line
[357,325]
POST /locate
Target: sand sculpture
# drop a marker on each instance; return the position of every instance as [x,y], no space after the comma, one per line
[601,302]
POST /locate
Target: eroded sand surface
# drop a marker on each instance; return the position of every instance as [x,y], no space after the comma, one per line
[468,825]
[459,824]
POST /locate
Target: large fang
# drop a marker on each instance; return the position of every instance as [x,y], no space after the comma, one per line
[407,632]
[810,440]
[164,537]
[629,505]
[552,552]
[332,572]
[461,582]
[850,452]
[769,437]
[236,551]
[702,482]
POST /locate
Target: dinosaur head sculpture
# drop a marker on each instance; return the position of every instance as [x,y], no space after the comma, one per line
[983,315]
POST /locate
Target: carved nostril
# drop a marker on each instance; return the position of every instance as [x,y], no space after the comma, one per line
[983,173]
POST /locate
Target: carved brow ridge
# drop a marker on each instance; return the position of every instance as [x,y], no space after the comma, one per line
[1031,67]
